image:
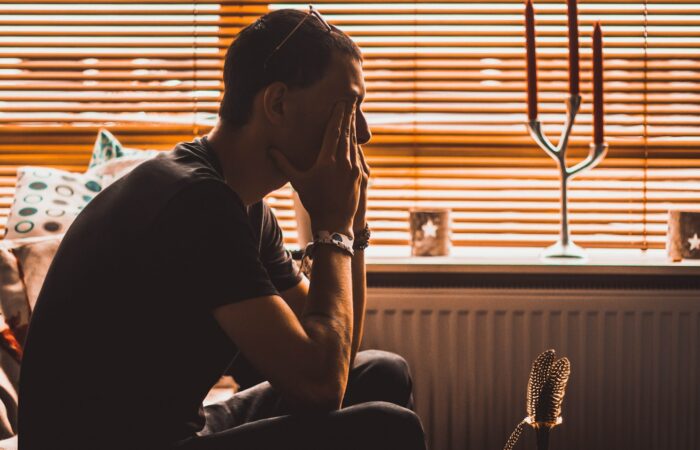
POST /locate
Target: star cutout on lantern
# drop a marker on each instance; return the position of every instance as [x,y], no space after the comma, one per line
[429,229]
[694,242]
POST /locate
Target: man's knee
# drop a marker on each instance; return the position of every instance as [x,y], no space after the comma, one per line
[389,426]
[388,373]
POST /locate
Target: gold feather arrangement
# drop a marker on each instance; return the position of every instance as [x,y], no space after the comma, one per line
[545,394]
[537,380]
[515,435]
[548,407]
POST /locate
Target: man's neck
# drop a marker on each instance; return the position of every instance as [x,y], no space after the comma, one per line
[243,157]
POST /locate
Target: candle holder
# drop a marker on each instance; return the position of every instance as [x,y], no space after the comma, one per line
[565,247]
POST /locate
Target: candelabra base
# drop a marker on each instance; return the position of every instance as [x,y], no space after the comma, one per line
[569,251]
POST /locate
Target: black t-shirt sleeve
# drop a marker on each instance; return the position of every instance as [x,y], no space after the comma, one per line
[208,246]
[276,258]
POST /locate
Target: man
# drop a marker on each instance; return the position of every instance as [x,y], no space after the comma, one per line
[175,268]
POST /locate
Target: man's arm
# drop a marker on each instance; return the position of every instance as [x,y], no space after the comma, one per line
[359,275]
[359,300]
[306,359]
[296,298]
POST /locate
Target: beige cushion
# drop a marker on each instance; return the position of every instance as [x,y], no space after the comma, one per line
[35,258]
[25,263]
[14,319]
[9,444]
[14,306]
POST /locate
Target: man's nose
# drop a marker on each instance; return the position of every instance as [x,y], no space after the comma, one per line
[362,129]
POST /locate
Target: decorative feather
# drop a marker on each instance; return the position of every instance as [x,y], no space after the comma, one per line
[515,435]
[538,377]
[545,393]
[548,407]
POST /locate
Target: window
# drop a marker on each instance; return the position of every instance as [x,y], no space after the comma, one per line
[147,71]
[445,100]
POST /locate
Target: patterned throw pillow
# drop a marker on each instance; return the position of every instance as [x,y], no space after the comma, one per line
[107,148]
[48,200]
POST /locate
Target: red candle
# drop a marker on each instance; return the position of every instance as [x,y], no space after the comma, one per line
[531,61]
[572,14]
[598,112]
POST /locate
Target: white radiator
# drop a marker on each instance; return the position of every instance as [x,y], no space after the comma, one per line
[635,358]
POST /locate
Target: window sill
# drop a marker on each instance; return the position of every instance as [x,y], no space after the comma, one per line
[521,267]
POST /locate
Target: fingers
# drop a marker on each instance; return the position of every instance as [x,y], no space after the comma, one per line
[365,166]
[332,134]
[354,148]
[343,150]
[284,165]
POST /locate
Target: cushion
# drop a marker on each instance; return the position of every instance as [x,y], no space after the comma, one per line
[107,148]
[48,200]
[35,258]
[114,169]
[23,267]
[9,444]
[14,306]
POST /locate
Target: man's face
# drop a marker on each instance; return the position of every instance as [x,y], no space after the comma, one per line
[310,109]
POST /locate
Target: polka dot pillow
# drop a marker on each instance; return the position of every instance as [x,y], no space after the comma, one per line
[48,200]
[107,148]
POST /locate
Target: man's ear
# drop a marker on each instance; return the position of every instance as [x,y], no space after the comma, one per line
[274,98]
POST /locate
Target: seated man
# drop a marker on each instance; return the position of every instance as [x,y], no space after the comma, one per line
[177,267]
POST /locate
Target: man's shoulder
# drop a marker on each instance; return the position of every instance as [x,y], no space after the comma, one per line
[199,196]
[188,166]
[187,162]
[178,181]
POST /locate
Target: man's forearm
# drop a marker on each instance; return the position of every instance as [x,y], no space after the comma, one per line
[359,300]
[328,314]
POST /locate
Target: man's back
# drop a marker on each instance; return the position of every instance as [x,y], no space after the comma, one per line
[122,346]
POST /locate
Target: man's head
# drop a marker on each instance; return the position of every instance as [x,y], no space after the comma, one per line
[289,93]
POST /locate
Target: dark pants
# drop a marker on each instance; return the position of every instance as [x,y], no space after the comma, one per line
[376,414]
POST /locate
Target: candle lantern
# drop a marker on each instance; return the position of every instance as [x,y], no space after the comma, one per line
[565,247]
[430,231]
[683,238]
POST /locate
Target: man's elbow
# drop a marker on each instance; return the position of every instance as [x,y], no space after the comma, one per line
[318,397]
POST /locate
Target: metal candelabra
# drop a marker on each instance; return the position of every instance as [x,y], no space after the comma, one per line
[565,247]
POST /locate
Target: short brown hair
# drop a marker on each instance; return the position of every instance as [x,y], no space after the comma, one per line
[300,62]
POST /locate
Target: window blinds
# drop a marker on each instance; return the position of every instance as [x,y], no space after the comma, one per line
[445,100]
[149,71]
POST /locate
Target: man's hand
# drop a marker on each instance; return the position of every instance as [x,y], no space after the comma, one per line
[360,219]
[330,190]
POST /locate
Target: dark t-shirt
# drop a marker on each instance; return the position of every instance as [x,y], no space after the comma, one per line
[122,347]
